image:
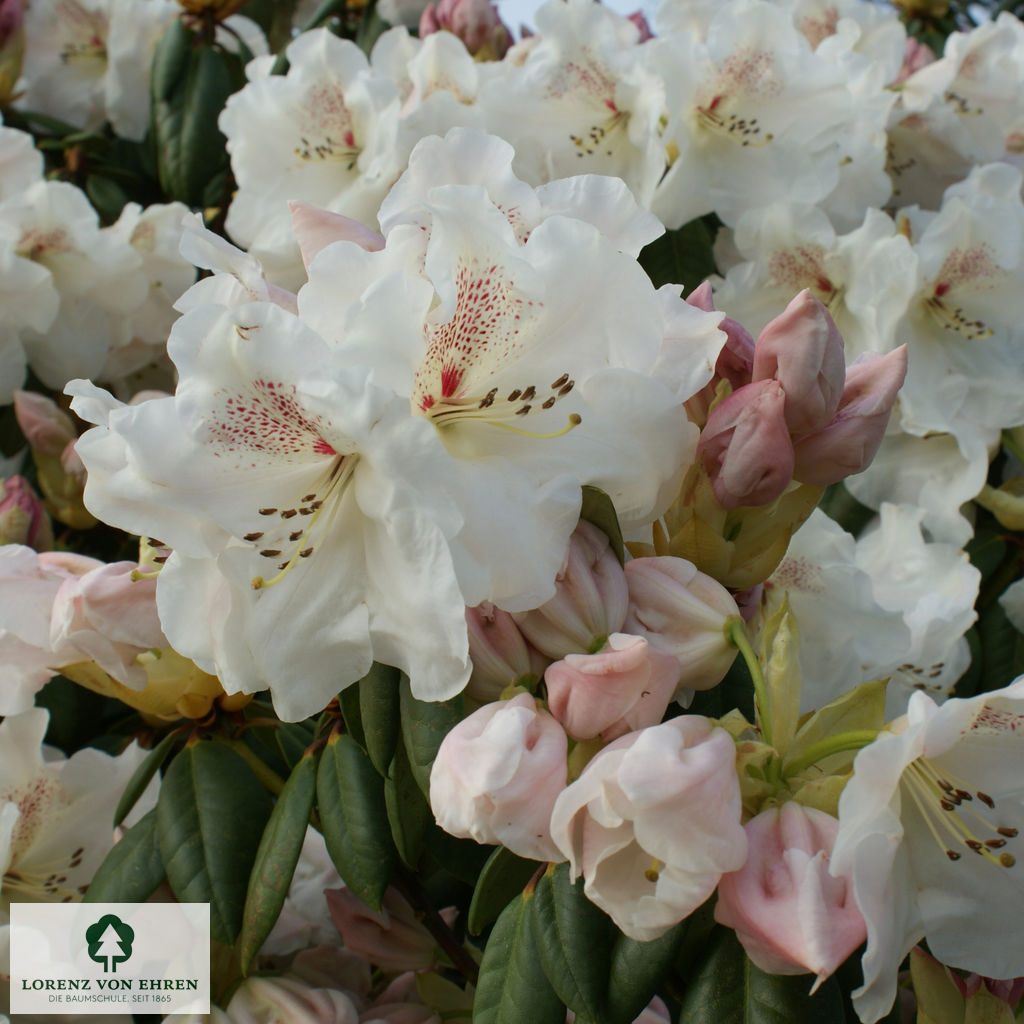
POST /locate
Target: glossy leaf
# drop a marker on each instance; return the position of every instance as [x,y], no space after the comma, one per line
[424,725]
[638,969]
[379,714]
[501,880]
[132,870]
[210,816]
[512,988]
[141,776]
[728,987]
[408,811]
[574,939]
[680,257]
[597,509]
[276,858]
[350,798]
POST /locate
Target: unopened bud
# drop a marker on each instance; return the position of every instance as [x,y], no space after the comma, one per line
[46,427]
[23,520]
[500,653]
[475,22]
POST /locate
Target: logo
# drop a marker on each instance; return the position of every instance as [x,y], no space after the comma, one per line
[110,942]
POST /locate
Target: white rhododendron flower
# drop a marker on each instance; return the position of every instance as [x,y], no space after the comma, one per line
[929,830]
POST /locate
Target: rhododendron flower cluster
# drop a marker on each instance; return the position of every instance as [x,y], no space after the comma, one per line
[527,526]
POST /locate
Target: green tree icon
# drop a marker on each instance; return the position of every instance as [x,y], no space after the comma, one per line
[110,942]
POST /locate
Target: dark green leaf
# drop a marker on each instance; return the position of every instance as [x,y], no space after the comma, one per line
[574,939]
[463,859]
[1002,648]
[637,970]
[408,811]
[598,510]
[349,700]
[501,879]
[350,797]
[80,718]
[276,858]
[424,725]
[681,257]
[210,815]
[292,740]
[379,712]
[106,196]
[729,988]
[141,776]
[512,988]
[132,870]
[840,505]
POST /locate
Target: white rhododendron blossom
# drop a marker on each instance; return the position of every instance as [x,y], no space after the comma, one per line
[929,831]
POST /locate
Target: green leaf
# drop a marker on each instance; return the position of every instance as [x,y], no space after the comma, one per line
[106,196]
[424,725]
[190,84]
[463,859]
[512,988]
[682,257]
[728,987]
[1002,647]
[408,811]
[598,510]
[379,711]
[211,812]
[840,505]
[132,870]
[574,939]
[293,738]
[350,797]
[141,776]
[349,700]
[276,858]
[502,878]
[638,969]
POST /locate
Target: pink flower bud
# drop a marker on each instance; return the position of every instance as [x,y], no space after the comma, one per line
[315,229]
[589,603]
[1009,991]
[72,465]
[23,520]
[626,686]
[802,350]
[392,938]
[848,444]
[916,55]
[45,426]
[682,612]
[475,22]
[500,653]
[790,914]
[497,776]
[746,447]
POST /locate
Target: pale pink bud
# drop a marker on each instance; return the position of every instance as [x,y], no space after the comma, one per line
[23,520]
[391,938]
[682,611]
[475,22]
[12,14]
[1009,991]
[790,914]
[500,653]
[71,463]
[653,822]
[746,447]
[802,349]
[589,603]
[46,427]
[315,229]
[399,1003]
[626,686]
[848,444]
[497,776]
[269,1000]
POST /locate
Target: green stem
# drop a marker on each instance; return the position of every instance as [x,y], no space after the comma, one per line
[736,634]
[856,740]
[270,779]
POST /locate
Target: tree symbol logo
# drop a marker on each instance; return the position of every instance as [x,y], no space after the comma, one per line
[110,942]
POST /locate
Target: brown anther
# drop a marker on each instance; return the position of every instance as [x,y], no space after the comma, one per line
[995,844]
[952,855]
[1007,860]
[289,512]
[1005,830]
[514,395]
[160,559]
[488,400]
[271,552]
[946,787]
[296,534]
[254,536]
[946,805]
[975,845]
[529,393]
[305,511]
[316,505]
[549,402]
[309,497]
[561,380]
[267,511]
[964,795]
[523,411]
[305,553]
[986,799]
[566,388]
